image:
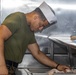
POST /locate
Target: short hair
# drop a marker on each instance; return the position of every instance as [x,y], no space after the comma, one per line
[37,10]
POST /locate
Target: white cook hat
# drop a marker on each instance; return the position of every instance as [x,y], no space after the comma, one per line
[48,12]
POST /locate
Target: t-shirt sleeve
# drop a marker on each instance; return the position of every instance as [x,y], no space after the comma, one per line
[32,39]
[12,21]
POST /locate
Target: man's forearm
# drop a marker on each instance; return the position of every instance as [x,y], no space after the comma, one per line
[2,61]
[45,60]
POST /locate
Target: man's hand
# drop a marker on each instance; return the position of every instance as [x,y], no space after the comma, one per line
[73,37]
[52,71]
[63,68]
[3,70]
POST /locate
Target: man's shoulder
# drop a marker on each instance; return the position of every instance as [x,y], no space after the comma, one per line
[17,13]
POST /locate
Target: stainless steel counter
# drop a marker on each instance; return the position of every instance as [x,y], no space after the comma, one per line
[69,44]
[32,72]
[40,72]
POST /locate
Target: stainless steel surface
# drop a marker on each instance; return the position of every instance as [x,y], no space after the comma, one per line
[62,41]
[40,74]
[29,72]
[65,40]
[36,72]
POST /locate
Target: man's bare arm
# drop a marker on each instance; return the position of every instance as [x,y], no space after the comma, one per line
[34,48]
[5,33]
[40,56]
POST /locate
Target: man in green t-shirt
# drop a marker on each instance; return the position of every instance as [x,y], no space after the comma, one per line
[17,34]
